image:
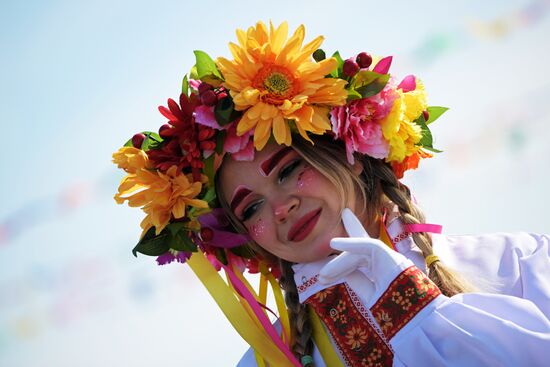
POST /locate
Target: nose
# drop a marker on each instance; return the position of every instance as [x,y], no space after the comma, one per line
[282,210]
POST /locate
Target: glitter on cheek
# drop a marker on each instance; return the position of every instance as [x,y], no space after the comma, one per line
[306,179]
[257,230]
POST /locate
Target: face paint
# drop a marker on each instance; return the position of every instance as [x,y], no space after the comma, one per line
[257,230]
[306,179]
[270,163]
[240,193]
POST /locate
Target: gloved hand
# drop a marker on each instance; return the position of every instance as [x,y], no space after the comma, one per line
[371,256]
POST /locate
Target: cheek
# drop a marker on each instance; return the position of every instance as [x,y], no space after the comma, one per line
[258,231]
[307,178]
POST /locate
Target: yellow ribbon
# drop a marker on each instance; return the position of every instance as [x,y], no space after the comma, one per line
[235,312]
[323,342]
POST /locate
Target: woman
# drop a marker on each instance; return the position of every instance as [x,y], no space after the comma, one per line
[280,140]
[293,213]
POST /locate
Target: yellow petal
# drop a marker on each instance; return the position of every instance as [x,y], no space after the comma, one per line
[278,36]
[280,129]
[245,124]
[261,134]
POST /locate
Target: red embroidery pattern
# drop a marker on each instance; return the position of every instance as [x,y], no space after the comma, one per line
[400,237]
[357,340]
[406,296]
[361,340]
[308,283]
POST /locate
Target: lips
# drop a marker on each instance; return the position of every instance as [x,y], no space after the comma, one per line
[303,226]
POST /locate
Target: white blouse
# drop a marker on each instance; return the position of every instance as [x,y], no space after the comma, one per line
[474,329]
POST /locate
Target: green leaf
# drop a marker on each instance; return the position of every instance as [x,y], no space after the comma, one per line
[220,139]
[193,73]
[185,85]
[224,112]
[210,195]
[155,246]
[426,142]
[435,112]
[182,242]
[209,168]
[338,72]
[175,227]
[205,65]
[431,149]
[368,83]
[353,94]
[152,141]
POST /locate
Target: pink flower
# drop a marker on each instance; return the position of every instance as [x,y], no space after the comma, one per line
[240,147]
[358,124]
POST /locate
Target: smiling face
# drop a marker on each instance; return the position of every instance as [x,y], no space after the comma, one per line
[288,207]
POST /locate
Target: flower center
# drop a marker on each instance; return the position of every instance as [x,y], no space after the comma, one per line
[276,84]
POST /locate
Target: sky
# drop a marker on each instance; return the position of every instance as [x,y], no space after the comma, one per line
[77,79]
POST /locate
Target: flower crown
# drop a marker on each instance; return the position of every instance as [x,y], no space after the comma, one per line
[274,89]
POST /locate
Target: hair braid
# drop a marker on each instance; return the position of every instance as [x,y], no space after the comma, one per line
[448,281]
[301,329]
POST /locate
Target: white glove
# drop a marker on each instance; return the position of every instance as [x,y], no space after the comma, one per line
[371,256]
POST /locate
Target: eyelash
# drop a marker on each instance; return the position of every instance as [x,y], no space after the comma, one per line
[287,170]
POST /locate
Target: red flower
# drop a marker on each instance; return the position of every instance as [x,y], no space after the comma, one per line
[187,143]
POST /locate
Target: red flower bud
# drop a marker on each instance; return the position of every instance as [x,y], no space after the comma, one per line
[164,131]
[206,234]
[426,115]
[204,87]
[221,96]
[209,98]
[364,60]
[137,140]
[350,68]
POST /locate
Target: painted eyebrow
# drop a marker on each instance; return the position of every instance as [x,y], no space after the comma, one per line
[240,193]
[270,163]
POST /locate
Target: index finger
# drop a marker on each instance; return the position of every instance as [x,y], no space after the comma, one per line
[352,224]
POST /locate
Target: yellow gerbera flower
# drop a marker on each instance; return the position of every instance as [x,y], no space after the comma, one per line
[398,127]
[161,196]
[274,80]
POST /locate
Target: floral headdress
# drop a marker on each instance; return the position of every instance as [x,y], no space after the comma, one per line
[276,89]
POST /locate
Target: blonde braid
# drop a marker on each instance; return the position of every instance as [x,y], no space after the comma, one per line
[300,325]
[448,281]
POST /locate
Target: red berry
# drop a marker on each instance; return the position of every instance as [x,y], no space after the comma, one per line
[137,140]
[364,60]
[203,87]
[209,98]
[164,129]
[350,67]
[426,115]
[207,234]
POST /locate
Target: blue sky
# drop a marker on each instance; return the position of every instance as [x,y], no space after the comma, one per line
[79,78]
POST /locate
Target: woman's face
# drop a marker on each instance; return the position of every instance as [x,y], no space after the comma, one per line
[287,206]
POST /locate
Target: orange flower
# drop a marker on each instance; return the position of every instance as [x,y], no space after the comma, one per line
[410,162]
[131,159]
[274,80]
[356,337]
[161,196]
